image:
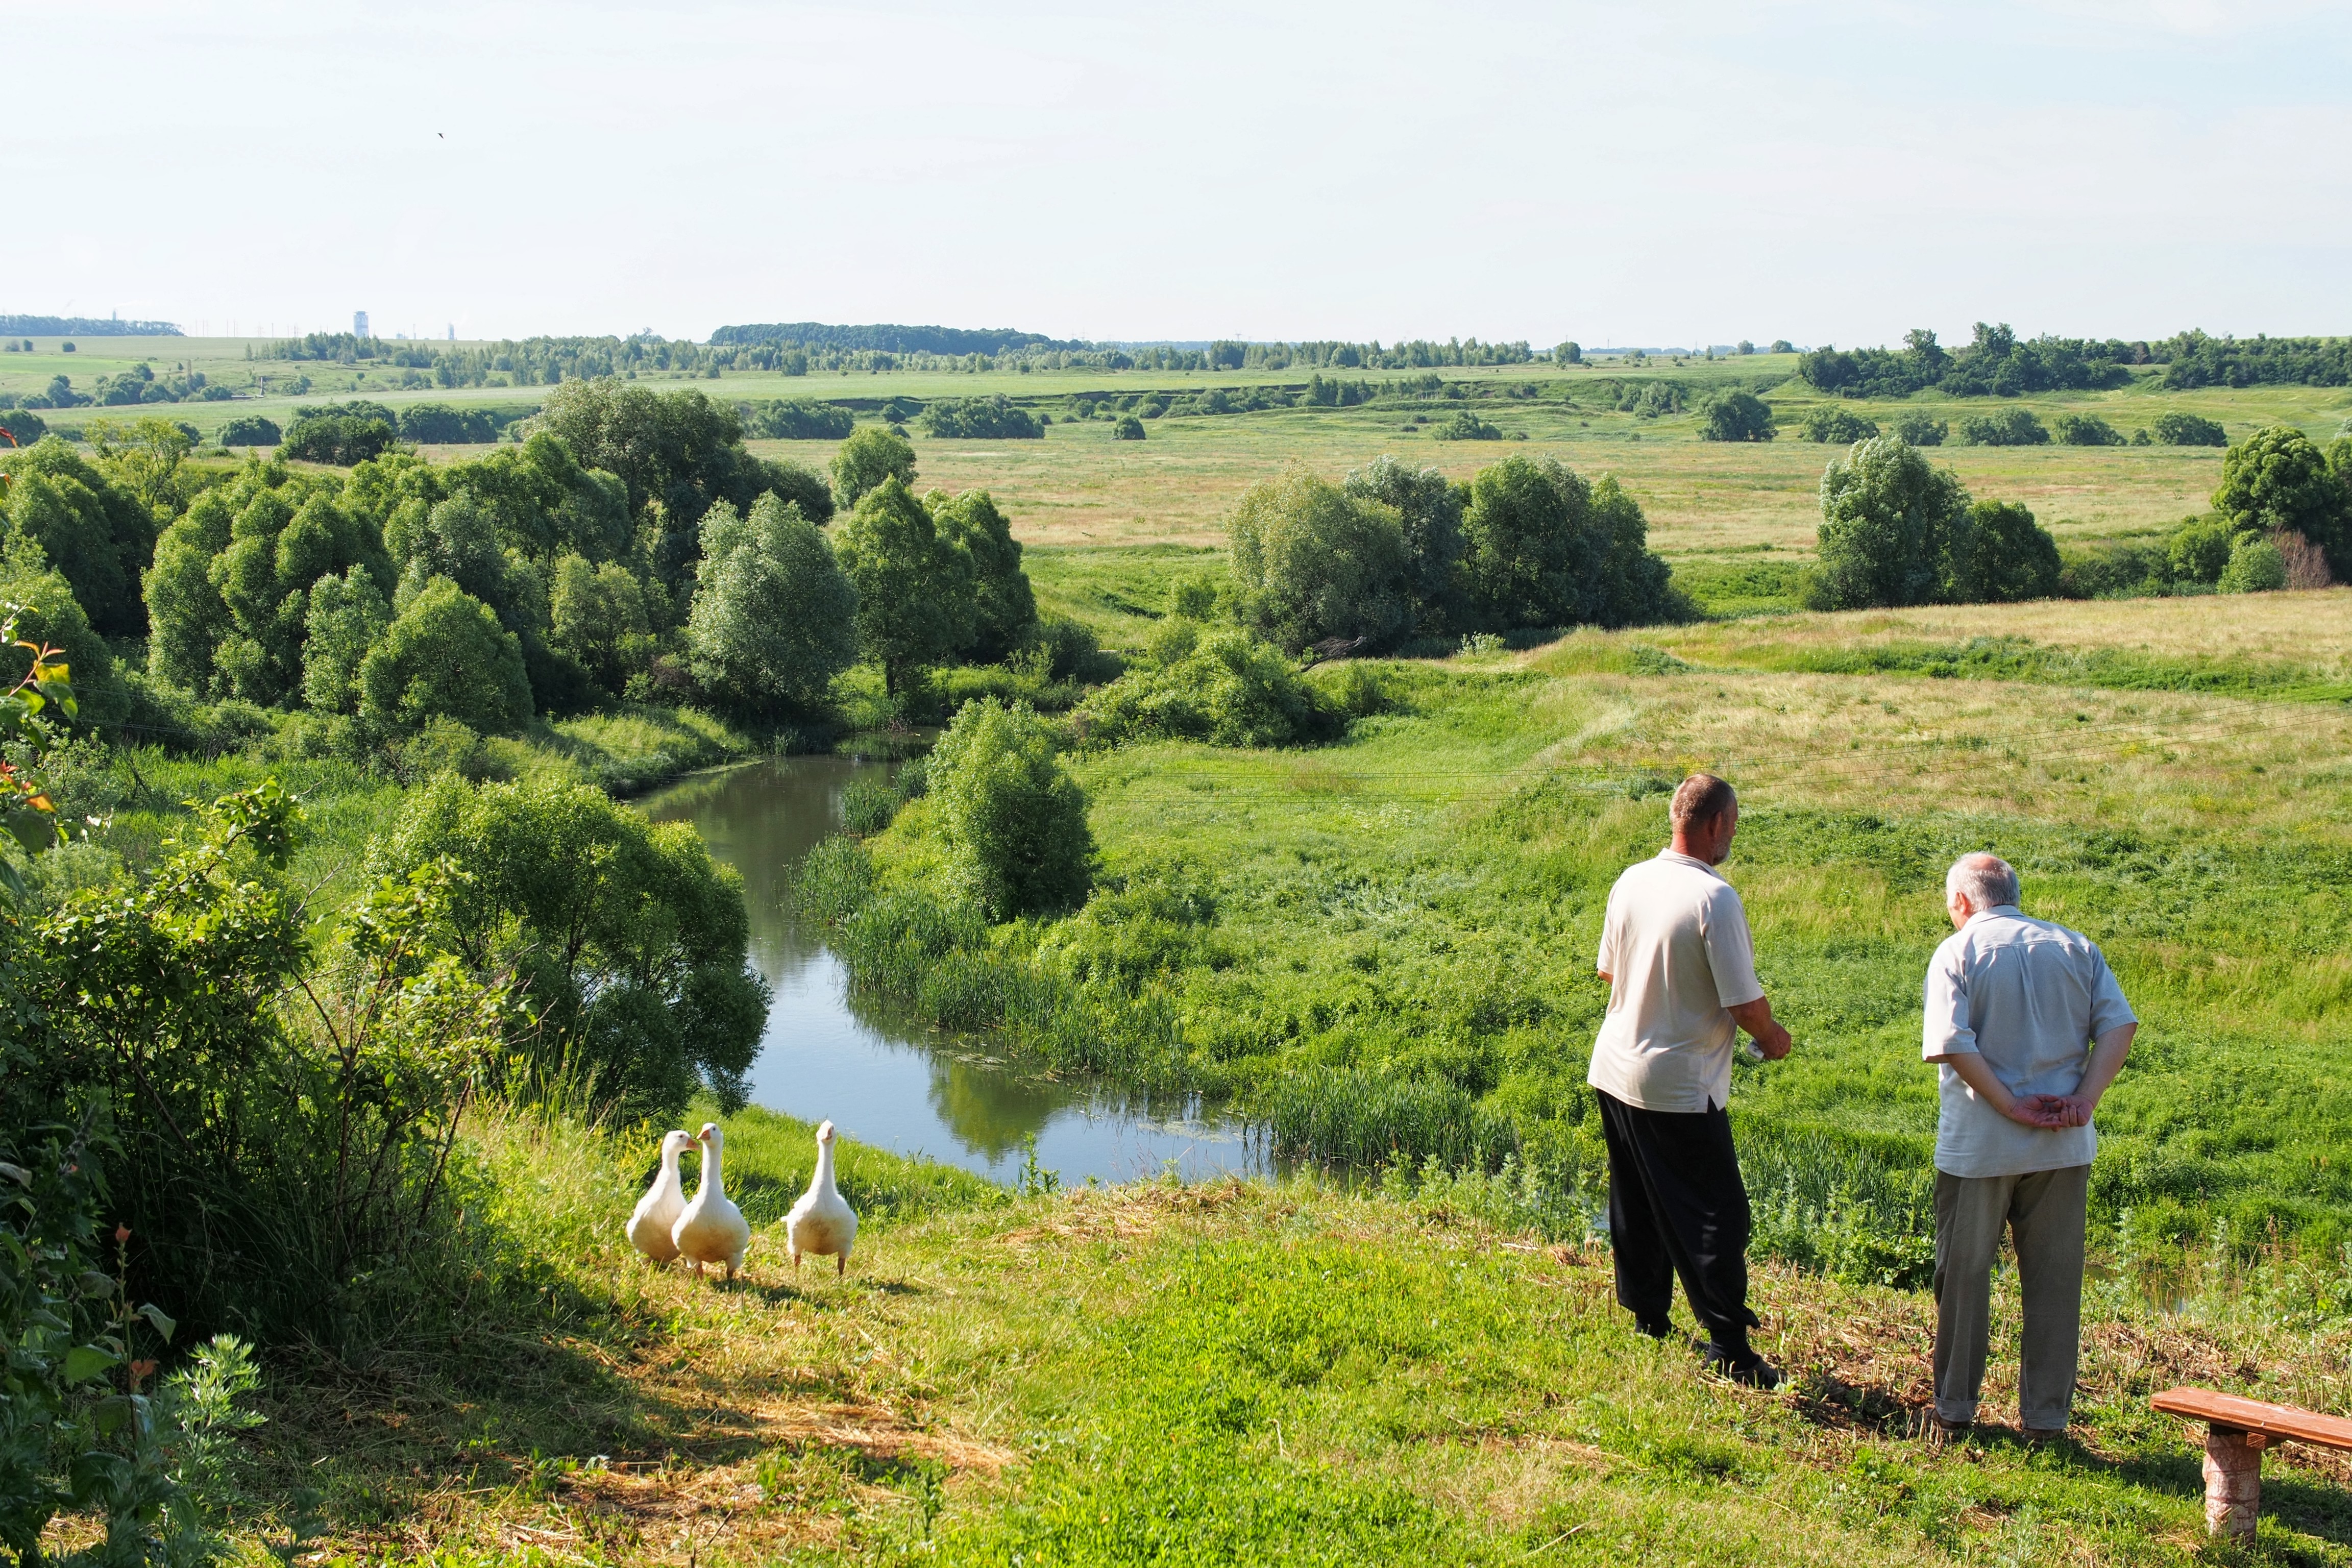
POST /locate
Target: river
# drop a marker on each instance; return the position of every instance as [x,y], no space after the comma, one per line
[890,1081]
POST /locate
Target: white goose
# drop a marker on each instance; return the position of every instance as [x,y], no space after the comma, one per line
[822,1222]
[657,1211]
[711,1230]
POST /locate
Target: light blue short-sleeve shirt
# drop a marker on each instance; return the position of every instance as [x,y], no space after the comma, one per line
[2029,996]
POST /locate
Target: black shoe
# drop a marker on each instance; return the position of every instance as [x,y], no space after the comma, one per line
[1740,1366]
[1658,1330]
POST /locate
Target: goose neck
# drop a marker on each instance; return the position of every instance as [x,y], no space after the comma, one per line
[824,1166]
[710,1177]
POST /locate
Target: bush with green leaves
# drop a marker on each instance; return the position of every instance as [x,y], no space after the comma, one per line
[1127,427]
[250,431]
[2278,480]
[341,440]
[2198,550]
[870,456]
[1464,426]
[2085,430]
[1735,416]
[1429,510]
[445,655]
[2009,427]
[994,419]
[2173,427]
[1920,429]
[1003,606]
[794,419]
[97,535]
[2256,566]
[1543,548]
[916,599]
[628,940]
[1011,818]
[48,613]
[1842,427]
[774,617]
[1222,686]
[1999,556]
[1315,561]
[1888,516]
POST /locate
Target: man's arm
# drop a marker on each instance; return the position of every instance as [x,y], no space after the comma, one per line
[2035,1110]
[1756,1017]
[2107,1053]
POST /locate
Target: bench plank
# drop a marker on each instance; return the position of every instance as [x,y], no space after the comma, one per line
[2255,1415]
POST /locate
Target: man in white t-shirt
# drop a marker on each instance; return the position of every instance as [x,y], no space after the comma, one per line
[2028,1028]
[1675,950]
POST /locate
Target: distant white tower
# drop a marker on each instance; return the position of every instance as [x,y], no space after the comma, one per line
[359,325]
[453,332]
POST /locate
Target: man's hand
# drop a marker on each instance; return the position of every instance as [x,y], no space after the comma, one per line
[1756,1017]
[2041,1111]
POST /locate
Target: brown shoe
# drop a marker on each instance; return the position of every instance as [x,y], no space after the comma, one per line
[1941,1434]
[2044,1436]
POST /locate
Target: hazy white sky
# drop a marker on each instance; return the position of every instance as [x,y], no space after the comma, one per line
[1616,173]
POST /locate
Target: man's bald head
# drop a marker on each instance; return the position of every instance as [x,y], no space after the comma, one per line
[1986,881]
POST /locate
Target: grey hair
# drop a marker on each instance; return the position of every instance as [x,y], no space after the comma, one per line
[1985,880]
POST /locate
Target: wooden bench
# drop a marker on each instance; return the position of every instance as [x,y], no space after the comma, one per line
[2236,1431]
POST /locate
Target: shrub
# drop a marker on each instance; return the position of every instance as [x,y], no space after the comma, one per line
[1002,603]
[774,618]
[915,590]
[340,439]
[1315,561]
[1841,426]
[1226,687]
[1429,511]
[24,426]
[442,424]
[791,419]
[95,533]
[249,430]
[625,935]
[1013,818]
[2011,427]
[1465,426]
[2174,428]
[2198,551]
[2278,480]
[1544,549]
[996,418]
[48,614]
[1917,429]
[2085,430]
[870,456]
[2001,556]
[1734,416]
[446,656]
[2256,566]
[1128,427]
[1887,519]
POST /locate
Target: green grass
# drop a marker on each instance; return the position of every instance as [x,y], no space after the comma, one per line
[1117,592]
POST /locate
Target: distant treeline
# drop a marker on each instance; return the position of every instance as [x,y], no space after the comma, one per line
[83,327]
[2197,361]
[1997,363]
[897,340]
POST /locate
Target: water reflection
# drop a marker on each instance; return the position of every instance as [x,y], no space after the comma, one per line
[890,1080]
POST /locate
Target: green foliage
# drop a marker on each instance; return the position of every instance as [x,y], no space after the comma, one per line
[1916,428]
[1736,415]
[2256,566]
[48,614]
[793,419]
[1841,426]
[1888,521]
[774,617]
[447,656]
[870,456]
[2000,555]
[2278,480]
[1315,561]
[1464,426]
[2174,428]
[628,941]
[802,487]
[1994,363]
[677,448]
[1013,819]
[995,418]
[2198,551]
[1429,510]
[1223,687]
[340,439]
[1543,548]
[100,537]
[2009,427]
[346,617]
[915,591]
[598,617]
[2085,430]
[1127,427]
[1003,606]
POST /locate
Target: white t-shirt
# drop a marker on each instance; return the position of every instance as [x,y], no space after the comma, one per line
[1675,938]
[2029,996]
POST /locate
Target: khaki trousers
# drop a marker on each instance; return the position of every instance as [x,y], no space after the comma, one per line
[2043,1213]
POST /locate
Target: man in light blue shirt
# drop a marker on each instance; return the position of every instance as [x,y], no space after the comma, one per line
[2029,1028]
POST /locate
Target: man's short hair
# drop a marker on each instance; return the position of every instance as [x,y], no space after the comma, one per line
[1699,800]
[1987,882]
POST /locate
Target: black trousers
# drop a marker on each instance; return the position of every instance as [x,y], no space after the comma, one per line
[1677,1206]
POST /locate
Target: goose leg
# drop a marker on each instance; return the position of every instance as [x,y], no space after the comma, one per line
[796,1263]
[840,1264]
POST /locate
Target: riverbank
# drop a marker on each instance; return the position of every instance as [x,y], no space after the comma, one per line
[1217,1373]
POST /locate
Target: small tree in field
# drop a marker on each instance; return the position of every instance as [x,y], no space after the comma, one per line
[1887,517]
[1004,607]
[2279,481]
[1317,562]
[1734,416]
[870,456]
[915,594]
[1014,818]
[774,617]
[2001,556]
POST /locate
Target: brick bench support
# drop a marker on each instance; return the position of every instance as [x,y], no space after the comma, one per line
[2236,1431]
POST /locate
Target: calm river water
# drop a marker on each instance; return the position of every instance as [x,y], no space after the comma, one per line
[887,1081]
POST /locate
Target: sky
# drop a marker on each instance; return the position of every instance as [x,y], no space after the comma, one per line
[1619,174]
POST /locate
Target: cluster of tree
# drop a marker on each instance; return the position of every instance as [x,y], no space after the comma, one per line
[1736,415]
[1645,398]
[2009,427]
[67,513]
[790,419]
[1394,551]
[946,342]
[528,362]
[59,394]
[1996,363]
[85,327]
[2174,428]
[2279,484]
[140,383]
[1895,531]
[250,431]
[1338,394]
[1841,426]
[445,424]
[2085,430]
[2198,361]
[340,435]
[1464,426]
[995,418]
